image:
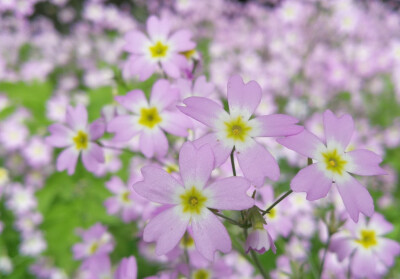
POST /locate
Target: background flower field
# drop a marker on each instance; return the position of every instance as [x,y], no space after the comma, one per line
[308,56]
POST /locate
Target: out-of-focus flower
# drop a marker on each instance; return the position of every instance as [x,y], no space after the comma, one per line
[37,153]
[150,119]
[127,269]
[188,203]
[365,243]
[33,244]
[6,265]
[158,49]
[258,239]
[334,164]
[237,129]
[78,137]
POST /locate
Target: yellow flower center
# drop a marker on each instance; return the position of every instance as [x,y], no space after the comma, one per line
[81,140]
[158,50]
[368,239]
[189,53]
[94,247]
[171,168]
[193,201]
[272,213]
[125,197]
[237,129]
[201,274]
[149,117]
[333,161]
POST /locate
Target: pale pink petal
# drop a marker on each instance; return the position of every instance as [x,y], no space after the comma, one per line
[171,67]
[379,224]
[60,135]
[167,229]
[338,129]
[163,95]
[141,66]
[157,28]
[387,251]
[67,160]
[157,186]
[133,101]
[243,97]
[363,263]
[341,246]
[202,109]
[135,42]
[229,194]
[257,163]
[93,157]
[77,117]
[221,153]
[202,87]
[278,125]
[115,185]
[313,181]
[112,205]
[125,127]
[210,235]
[304,143]
[195,164]
[97,129]
[153,142]
[181,40]
[355,196]
[365,162]
[176,123]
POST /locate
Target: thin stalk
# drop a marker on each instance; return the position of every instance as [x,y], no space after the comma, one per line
[277,202]
[230,220]
[321,268]
[233,162]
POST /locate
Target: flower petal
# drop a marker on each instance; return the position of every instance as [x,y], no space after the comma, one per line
[93,157]
[157,28]
[167,229]
[221,153]
[125,127]
[181,40]
[313,181]
[176,123]
[365,162]
[202,109]
[278,125]
[379,224]
[338,129]
[153,142]
[341,246]
[229,194]
[67,160]
[163,95]
[135,42]
[97,129]
[195,164]
[243,98]
[257,163]
[304,143]
[77,117]
[60,135]
[388,250]
[157,185]
[133,101]
[363,263]
[210,235]
[355,196]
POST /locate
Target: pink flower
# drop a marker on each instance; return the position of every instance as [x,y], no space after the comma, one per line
[365,244]
[158,49]
[77,137]
[237,129]
[333,164]
[150,119]
[127,269]
[260,241]
[189,202]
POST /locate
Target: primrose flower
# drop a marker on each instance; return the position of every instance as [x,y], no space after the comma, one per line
[237,129]
[333,164]
[364,242]
[79,138]
[160,48]
[127,269]
[189,202]
[150,119]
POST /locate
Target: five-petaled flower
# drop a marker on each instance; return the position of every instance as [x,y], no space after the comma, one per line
[158,49]
[78,137]
[149,119]
[333,164]
[237,129]
[189,202]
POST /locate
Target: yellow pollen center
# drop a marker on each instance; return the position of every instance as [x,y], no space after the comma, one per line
[158,50]
[334,161]
[237,129]
[193,201]
[201,274]
[94,247]
[189,53]
[81,140]
[149,117]
[368,239]
[172,168]
[125,197]
[272,213]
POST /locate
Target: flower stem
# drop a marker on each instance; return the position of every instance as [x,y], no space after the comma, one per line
[321,268]
[233,162]
[277,202]
[256,260]
[230,220]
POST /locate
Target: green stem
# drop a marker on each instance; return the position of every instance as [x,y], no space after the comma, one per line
[230,220]
[233,162]
[321,268]
[277,202]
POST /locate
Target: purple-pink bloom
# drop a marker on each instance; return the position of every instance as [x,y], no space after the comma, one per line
[333,164]
[365,243]
[237,129]
[260,241]
[77,137]
[150,119]
[127,269]
[188,202]
[159,48]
